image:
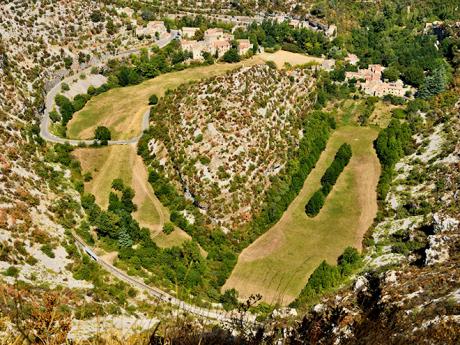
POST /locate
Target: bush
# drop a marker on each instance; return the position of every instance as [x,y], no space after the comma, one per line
[48,250]
[11,271]
[168,228]
[102,134]
[153,100]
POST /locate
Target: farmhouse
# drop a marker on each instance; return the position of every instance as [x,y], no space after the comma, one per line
[352,59]
[244,46]
[370,81]
[215,42]
[188,32]
[152,29]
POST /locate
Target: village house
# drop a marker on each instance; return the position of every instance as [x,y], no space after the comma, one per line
[244,46]
[213,34]
[216,42]
[195,47]
[220,47]
[352,59]
[370,81]
[331,31]
[188,32]
[151,29]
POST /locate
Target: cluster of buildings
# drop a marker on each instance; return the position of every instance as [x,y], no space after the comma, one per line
[215,42]
[370,81]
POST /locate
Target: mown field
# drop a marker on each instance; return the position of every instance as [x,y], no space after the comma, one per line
[277,265]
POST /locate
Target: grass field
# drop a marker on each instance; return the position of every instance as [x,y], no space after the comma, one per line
[110,162]
[281,57]
[277,265]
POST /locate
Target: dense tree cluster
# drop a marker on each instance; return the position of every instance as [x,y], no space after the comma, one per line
[391,145]
[326,276]
[273,35]
[177,265]
[328,180]
[393,38]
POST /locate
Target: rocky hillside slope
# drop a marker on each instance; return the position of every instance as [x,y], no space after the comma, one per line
[223,139]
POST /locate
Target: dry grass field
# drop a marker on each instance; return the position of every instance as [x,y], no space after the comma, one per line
[121,161]
[281,57]
[277,265]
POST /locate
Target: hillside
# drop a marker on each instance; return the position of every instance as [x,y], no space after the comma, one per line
[221,147]
[144,242]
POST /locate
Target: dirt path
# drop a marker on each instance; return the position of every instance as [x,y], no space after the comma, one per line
[144,191]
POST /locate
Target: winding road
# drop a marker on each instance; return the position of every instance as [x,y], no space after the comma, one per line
[49,103]
[212,314]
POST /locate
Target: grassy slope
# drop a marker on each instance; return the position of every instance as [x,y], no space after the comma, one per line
[108,163]
[278,264]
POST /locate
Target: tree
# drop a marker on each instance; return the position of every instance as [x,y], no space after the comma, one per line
[232,56]
[96,16]
[54,116]
[413,75]
[153,100]
[315,204]
[229,299]
[391,73]
[65,107]
[102,134]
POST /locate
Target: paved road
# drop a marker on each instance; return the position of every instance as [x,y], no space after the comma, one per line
[49,104]
[212,314]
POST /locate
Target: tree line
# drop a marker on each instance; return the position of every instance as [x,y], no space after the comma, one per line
[328,180]
[392,143]
[326,277]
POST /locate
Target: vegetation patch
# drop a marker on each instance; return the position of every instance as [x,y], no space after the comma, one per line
[341,159]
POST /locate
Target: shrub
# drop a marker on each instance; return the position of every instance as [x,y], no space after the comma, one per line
[102,134]
[65,87]
[153,100]
[168,228]
[11,271]
[48,250]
